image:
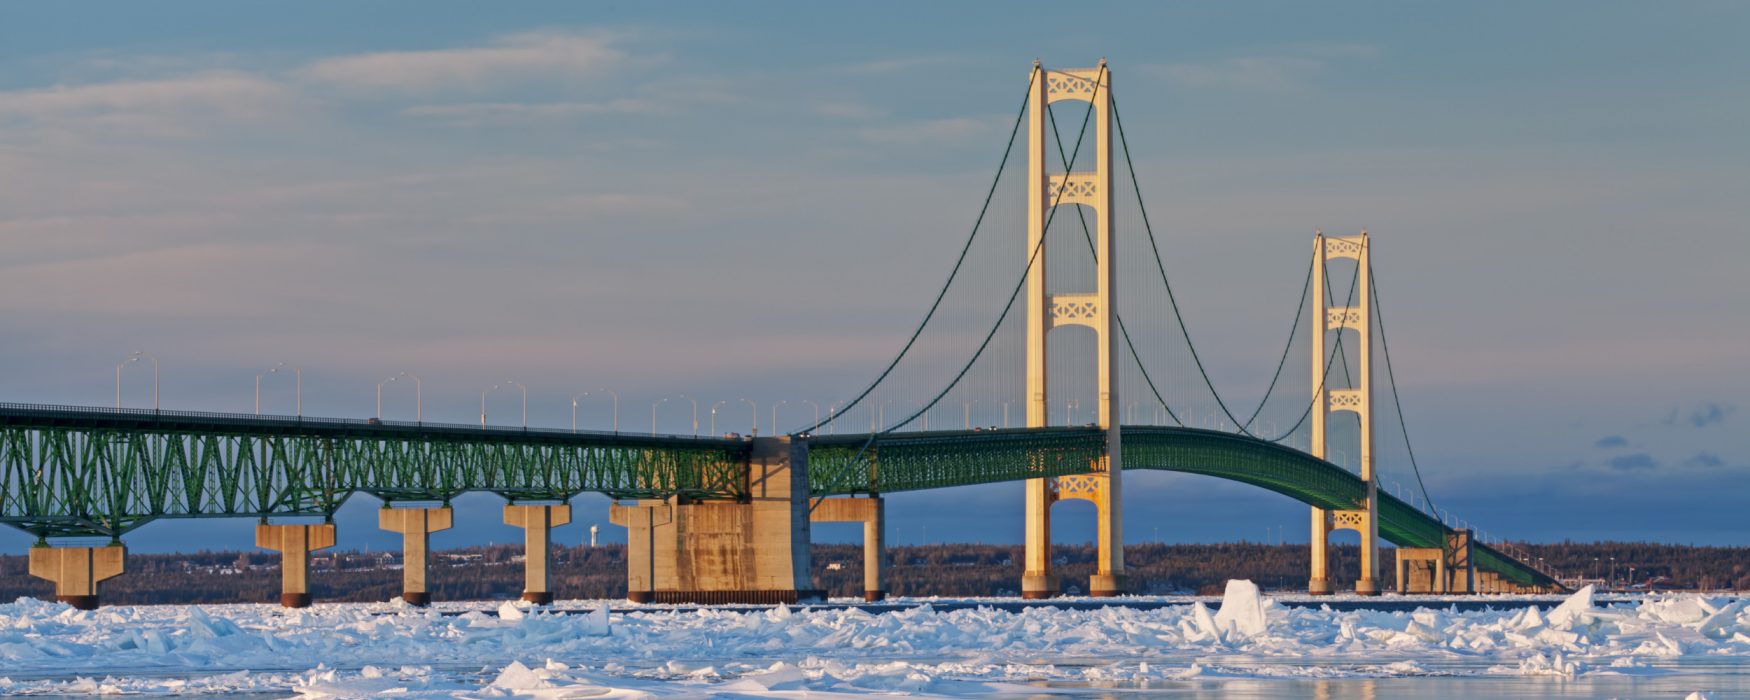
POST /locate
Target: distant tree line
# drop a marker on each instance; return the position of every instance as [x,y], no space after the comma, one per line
[495,572]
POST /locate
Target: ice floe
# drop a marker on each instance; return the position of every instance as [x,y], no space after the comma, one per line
[353,650]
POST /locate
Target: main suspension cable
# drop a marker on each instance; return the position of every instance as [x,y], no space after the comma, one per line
[1391,379]
[934,306]
[1032,259]
[1172,300]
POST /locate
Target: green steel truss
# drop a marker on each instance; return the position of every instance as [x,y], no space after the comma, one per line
[99,472]
[95,472]
[847,464]
[851,464]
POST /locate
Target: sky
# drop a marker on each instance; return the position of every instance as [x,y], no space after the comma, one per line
[758,201]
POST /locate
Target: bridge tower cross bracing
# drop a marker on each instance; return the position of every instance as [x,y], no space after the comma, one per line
[1095,310]
[1357,399]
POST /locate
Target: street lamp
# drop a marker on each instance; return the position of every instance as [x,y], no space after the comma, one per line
[714,416]
[298,382]
[418,395]
[1006,414]
[755,405]
[967,407]
[653,406]
[695,413]
[816,411]
[130,360]
[495,387]
[774,422]
[609,392]
[832,414]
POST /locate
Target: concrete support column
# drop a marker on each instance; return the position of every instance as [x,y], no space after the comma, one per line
[415,526]
[647,523]
[76,571]
[1461,572]
[537,523]
[875,553]
[1037,579]
[1368,582]
[1442,581]
[871,512]
[1319,578]
[1108,578]
[1403,572]
[294,543]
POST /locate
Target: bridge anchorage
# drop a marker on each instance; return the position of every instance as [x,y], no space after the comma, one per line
[728,520]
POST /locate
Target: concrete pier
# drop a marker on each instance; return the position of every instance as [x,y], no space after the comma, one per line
[871,512]
[415,526]
[1319,580]
[294,543]
[77,571]
[1038,581]
[726,551]
[537,523]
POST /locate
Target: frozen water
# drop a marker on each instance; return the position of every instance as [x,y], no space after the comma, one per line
[353,650]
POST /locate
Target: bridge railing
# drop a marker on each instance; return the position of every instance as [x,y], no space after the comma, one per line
[10,410]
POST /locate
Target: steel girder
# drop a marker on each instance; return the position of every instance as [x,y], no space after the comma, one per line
[848,464]
[83,472]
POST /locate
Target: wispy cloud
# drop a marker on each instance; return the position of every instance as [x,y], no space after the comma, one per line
[167,106]
[1610,442]
[1705,459]
[1288,68]
[846,109]
[475,114]
[1710,414]
[927,131]
[888,66]
[1638,460]
[518,56]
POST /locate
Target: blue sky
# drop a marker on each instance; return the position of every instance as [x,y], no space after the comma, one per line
[718,199]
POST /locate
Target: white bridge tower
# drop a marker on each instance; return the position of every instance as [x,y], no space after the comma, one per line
[1095,309]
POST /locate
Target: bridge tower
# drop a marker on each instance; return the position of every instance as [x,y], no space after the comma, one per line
[1095,310]
[1357,399]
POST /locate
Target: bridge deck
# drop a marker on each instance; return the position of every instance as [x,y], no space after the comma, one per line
[93,471]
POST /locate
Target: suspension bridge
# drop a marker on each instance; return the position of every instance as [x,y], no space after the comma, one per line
[1032,316]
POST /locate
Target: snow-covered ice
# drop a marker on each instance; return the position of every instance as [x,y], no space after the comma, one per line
[350,650]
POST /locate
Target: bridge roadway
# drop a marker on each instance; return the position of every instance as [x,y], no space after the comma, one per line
[78,471]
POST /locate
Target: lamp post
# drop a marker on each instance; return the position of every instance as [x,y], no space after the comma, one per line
[695,413]
[653,406]
[418,395]
[774,422]
[714,417]
[130,360]
[816,411]
[576,398]
[298,382]
[493,388]
[1006,414]
[832,414]
[755,406]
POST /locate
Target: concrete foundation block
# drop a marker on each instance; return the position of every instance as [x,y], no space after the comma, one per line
[77,571]
[415,526]
[294,543]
